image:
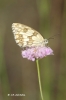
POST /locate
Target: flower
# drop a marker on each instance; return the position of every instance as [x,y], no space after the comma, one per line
[36,53]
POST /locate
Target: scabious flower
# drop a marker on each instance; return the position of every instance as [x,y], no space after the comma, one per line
[36,53]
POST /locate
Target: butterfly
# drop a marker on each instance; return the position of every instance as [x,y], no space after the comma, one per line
[26,36]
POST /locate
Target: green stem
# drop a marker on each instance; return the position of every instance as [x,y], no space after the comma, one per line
[39,79]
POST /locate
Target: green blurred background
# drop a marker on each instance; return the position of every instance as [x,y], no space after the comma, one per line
[18,75]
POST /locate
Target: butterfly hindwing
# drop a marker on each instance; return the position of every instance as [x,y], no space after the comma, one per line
[26,36]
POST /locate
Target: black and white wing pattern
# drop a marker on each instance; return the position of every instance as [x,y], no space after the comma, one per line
[25,36]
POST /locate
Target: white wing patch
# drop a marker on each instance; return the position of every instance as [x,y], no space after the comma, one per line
[26,36]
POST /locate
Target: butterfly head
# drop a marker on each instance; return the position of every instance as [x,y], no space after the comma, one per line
[45,41]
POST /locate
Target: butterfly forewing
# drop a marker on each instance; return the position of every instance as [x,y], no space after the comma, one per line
[26,36]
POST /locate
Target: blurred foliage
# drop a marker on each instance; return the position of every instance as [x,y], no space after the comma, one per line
[54,87]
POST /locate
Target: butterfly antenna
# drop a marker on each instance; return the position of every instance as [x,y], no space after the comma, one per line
[52,37]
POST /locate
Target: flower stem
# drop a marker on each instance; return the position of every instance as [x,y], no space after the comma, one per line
[39,79]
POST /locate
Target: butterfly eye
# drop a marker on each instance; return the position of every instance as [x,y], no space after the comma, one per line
[45,41]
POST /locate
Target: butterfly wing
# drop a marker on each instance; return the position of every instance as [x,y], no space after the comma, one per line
[26,36]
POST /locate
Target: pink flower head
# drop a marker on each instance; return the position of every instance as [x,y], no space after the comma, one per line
[36,52]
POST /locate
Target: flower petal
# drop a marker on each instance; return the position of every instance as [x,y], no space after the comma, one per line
[36,52]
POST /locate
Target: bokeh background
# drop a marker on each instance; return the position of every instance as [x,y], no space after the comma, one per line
[18,75]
